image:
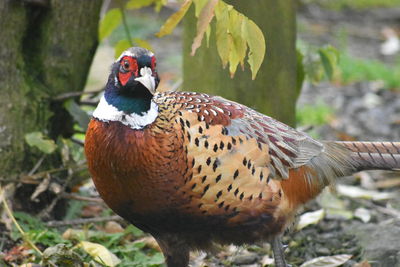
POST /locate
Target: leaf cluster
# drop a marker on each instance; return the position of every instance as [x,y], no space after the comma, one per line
[237,36]
[76,247]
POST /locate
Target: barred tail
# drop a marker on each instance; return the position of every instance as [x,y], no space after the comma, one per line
[374,155]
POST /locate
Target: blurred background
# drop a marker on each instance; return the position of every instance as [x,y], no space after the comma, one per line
[331,68]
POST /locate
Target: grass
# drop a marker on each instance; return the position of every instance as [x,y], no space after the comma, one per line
[353,70]
[125,245]
[318,114]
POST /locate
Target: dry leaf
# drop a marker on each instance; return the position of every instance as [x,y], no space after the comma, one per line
[41,187]
[100,253]
[356,192]
[388,183]
[149,241]
[329,261]
[310,218]
[205,17]
[363,214]
[113,227]
[362,264]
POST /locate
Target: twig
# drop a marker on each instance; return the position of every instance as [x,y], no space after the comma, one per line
[82,198]
[83,221]
[88,102]
[388,211]
[37,165]
[42,173]
[46,211]
[68,95]
[77,141]
[124,22]
[24,236]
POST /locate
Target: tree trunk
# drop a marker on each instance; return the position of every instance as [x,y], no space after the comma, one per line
[46,49]
[273,92]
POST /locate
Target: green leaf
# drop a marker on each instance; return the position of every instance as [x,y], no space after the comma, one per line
[174,19]
[329,59]
[44,144]
[239,48]
[136,4]
[205,17]
[120,47]
[256,42]
[77,113]
[109,23]
[222,36]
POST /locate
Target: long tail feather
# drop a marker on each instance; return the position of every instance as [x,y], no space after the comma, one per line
[374,155]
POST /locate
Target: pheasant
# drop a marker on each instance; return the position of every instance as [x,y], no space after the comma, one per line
[194,170]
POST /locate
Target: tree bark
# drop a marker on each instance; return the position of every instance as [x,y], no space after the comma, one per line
[46,49]
[273,92]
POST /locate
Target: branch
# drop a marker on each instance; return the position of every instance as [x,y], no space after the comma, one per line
[82,198]
[83,221]
[68,95]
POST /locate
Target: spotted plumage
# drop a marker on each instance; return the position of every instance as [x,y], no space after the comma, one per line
[194,169]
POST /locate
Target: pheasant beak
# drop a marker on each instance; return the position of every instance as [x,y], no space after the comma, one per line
[147,79]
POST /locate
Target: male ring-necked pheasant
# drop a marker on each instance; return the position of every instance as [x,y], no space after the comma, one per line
[192,169]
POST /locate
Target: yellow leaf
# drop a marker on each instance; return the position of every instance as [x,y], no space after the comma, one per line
[205,17]
[174,19]
[111,20]
[100,253]
[208,34]
[222,34]
[120,47]
[238,51]
[256,42]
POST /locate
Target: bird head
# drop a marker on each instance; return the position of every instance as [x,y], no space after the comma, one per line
[135,71]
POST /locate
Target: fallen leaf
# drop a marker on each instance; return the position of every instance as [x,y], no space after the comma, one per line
[149,242]
[100,253]
[363,214]
[310,218]
[328,261]
[334,207]
[113,227]
[89,211]
[356,192]
[388,183]
[41,187]
[362,264]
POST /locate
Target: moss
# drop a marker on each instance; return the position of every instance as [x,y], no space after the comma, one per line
[45,51]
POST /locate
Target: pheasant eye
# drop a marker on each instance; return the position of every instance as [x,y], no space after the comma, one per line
[153,63]
[126,65]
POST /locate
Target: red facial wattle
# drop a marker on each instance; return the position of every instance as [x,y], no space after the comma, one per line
[128,67]
[153,63]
